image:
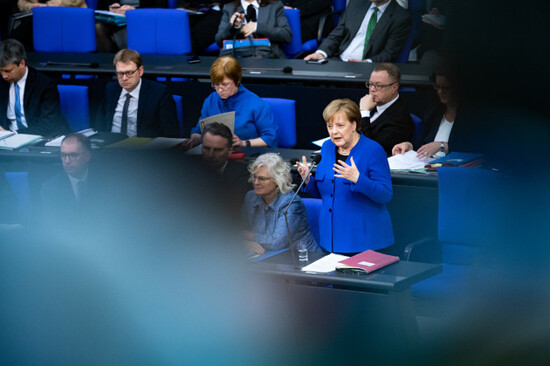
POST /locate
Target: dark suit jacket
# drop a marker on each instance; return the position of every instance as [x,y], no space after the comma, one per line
[156,114]
[272,24]
[387,39]
[393,126]
[460,137]
[41,105]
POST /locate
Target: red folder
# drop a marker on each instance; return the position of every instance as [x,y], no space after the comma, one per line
[366,262]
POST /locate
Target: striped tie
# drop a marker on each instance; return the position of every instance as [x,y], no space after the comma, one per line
[124,119]
[370,28]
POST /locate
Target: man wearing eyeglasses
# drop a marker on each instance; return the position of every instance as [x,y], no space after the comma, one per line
[29,101]
[386,119]
[65,194]
[135,106]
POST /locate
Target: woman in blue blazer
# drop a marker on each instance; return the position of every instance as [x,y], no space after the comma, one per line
[353,180]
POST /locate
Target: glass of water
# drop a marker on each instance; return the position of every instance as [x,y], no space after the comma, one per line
[302,251]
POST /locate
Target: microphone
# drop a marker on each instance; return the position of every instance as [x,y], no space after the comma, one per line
[93,65]
[315,161]
[293,161]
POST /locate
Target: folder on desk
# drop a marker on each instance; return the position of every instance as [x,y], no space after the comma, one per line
[16,141]
[365,262]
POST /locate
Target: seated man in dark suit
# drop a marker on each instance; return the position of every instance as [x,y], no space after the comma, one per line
[217,141]
[386,119]
[135,106]
[65,195]
[373,31]
[29,101]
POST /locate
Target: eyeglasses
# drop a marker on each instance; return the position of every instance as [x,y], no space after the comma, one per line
[128,74]
[222,85]
[442,88]
[260,179]
[70,156]
[378,86]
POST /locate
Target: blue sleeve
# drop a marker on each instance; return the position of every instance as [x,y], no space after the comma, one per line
[265,125]
[205,112]
[375,179]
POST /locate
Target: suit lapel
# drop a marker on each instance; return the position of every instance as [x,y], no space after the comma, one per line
[141,106]
[112,101]
[263,15]
[29,89]
[382,24]
[360,17]
[5,98]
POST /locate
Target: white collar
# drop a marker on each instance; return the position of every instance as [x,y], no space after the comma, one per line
[381,108]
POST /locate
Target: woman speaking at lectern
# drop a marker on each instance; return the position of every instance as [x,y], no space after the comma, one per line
[353,180]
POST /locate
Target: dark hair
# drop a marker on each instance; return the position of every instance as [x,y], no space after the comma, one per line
[128,55]
[391,69]
[80,138]
[219,129]
[11,52]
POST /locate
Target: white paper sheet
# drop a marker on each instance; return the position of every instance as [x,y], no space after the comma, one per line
[407,161]
[326,264]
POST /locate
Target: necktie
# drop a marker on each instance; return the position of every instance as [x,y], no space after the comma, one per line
[17,107]
[80,188]
[250,13]
[370,27]
[373,111]
[124,119]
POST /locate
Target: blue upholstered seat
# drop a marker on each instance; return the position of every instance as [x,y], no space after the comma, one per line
[313,207]
[75,106]
[284,115]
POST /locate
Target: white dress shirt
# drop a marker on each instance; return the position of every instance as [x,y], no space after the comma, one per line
[132,111]
[11,104]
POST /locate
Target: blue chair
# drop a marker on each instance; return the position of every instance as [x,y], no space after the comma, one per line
[172,4]
[295,45]
[470,200]
[338,7]
[284,115]
[417,128]
[313,207]
[63,29]
[416,8]
[158,31]
[75,106]
[19,183]
[179,110]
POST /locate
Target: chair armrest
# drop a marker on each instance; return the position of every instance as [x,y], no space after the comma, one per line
[428,249]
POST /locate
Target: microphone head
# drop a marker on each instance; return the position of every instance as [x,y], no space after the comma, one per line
[293,161]
[317,159]
[287,69]
[94,65]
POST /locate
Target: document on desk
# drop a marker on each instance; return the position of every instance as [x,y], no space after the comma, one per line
[227,119]
[18,140]
[5,134]
[326,264]
[163,143]
[407,160]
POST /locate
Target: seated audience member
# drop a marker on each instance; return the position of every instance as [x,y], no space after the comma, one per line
[386,119]
[67,194]
[259,19]
[263,208]
[217,142]
[311,13]
[254,125]
[135,106]
[440,131]
[26,5]
[373,31]
[110,37]
[29,101]
[353,180]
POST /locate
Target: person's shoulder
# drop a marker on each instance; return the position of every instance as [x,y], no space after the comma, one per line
[36,77]
[152,85]
[368,144]
[55,183]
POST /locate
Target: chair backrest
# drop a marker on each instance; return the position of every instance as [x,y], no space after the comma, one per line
[63,29]
[91,4]
[158,31]
[179,111]
[313,207]
[172,4]
[75,106]
[470,203]
[284,115]
[338,7]
[19,183]
[295,45]
[417,128]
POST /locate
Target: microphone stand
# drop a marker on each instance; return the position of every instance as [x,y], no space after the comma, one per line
[285,212]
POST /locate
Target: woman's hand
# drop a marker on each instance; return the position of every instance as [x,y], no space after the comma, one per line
[255,248]
[236,19]
[402,148]
[249,28]
[428,150]
[303,170]
[349,172]
[237,141]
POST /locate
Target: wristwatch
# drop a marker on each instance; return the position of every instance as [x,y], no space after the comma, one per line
[248,144]
[442,148]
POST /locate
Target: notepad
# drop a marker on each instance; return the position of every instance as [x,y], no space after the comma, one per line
[18,140]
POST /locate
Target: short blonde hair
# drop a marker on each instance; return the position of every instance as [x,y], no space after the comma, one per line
[348,107]
[226,66]
[126,55]
[278,169]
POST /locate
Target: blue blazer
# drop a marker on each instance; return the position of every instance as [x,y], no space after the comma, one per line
[354,217]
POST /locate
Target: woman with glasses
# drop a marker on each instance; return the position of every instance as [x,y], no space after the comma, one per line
[263,208]
[353,180]
[439,132]
[254,125]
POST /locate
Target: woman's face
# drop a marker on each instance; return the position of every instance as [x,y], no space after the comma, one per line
[341,130]
[226,88]
[444,89]
[263,184]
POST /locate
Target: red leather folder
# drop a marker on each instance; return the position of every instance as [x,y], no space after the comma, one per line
[366,262]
